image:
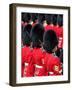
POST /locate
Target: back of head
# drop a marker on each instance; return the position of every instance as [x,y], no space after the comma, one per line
[49,40]
[34,17]
[26,17]
[54,19]
[26,35]
[37,35]
[49,18]
[60,20]
[42,18]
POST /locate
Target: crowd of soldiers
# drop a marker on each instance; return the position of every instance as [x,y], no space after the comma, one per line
[42,44]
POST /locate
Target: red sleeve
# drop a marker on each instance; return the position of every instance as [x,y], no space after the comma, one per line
[23,55]
[30,58]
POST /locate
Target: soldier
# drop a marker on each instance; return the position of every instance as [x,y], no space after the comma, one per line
[37,40]
[59,32]
[42,19]
[26,19]
[27,64]
[51,61]
[49,22]
[34,19]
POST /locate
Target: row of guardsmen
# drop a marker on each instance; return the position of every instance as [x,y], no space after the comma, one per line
[42,53]
[49,21]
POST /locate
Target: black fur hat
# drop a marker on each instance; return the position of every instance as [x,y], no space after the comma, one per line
[34,17]
[50,40]
[49,18]
[60,20]
[37,35]
[54,19]
[23,17]
[26,17]
[42,18]
[26,34]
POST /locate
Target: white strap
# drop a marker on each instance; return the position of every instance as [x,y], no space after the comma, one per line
[26,64]
[60,38]
[38,66]
[51,73]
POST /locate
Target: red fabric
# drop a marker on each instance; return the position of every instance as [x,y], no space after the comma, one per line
[60,44]
[38,60]
[27,58]
[29,71]
[40,72]
[37,56]
[48,27]
[53,64]
[25,53]
[59,31]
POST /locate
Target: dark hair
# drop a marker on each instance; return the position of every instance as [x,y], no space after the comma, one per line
[37,35]
[26,35]
[50,40]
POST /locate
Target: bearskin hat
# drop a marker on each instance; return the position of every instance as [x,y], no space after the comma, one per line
[23,17]
[50,40]
[60,20]
[34,17]
[54,19]
[42,18]
[49,18]
[26,17]
[26,34]
[37,35]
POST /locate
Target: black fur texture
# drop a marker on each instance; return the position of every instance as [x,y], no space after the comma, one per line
[37,35]
[50,40]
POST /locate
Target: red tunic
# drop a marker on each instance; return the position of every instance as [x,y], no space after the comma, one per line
[60,44]
[53,64]
[58,30]
[27,62]
[48,27]
[59,33]
[60,36]
[38,56]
